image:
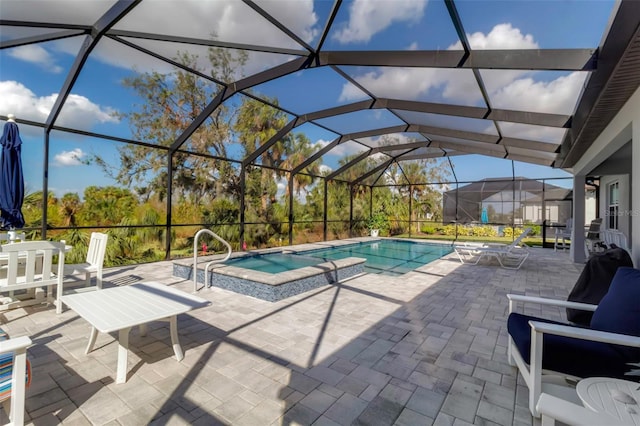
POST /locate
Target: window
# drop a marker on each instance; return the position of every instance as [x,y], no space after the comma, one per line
[613,202]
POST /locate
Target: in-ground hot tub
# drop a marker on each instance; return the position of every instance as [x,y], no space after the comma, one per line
[271,275]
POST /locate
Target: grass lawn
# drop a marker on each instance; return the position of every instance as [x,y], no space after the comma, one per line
[530,241]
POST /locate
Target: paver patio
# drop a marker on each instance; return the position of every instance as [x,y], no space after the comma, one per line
[427,348]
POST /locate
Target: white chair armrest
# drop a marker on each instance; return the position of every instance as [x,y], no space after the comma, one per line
[14,344]
[551,302]
[585,334]
[570,413]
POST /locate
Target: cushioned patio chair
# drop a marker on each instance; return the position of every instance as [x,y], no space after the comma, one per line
[15,376]
[510,256]
[94,260]
[541,347]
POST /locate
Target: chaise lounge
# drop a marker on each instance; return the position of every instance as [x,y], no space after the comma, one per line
[510,256]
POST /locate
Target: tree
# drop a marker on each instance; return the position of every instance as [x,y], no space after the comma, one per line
[412,177]
[299,149]
[256,124]
[107,205]
[70,206]
[169,104]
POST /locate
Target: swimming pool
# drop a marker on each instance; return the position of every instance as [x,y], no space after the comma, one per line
[276,274]
[385,257]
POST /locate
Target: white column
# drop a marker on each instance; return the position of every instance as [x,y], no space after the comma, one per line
[577,237]
[634,232]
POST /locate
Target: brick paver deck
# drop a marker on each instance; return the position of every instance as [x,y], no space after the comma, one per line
[426,348]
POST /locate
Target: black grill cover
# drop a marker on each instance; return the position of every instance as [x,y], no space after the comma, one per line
[595,280]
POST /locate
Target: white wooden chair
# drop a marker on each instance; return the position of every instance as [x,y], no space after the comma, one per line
[94,261]
[15,376]
[29,265]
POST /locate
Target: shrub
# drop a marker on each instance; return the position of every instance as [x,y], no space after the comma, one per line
[379,221]
[428,229]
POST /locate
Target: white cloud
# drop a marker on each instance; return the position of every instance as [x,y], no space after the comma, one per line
[36,55]
[69,158]
[347,148]
[538,133]
[301,19]
[557,96]
[517,89]
[457,85]
[368,17]
[224,20]
[78,112]
[324,169]
[502,36]
[403,83]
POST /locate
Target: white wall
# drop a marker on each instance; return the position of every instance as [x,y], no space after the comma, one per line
[623,128]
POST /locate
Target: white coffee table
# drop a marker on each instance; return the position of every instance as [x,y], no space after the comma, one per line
[121,308]
[596,393]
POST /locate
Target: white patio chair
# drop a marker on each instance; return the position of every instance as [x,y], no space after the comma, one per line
[614,237]
[511,256]
[94,260]
[15,376]
[551,354]
[29,265]
[592,239]
[563,235]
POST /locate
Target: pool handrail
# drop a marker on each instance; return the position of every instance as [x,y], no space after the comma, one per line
[195,256]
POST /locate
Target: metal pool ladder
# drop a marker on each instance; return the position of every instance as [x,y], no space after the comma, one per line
[208,265]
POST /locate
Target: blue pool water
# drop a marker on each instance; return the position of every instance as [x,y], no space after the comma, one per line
[386,257]
[273,262]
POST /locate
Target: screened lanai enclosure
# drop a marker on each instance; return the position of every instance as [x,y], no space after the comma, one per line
[276,122]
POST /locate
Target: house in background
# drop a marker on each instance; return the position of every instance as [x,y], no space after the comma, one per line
[508,201]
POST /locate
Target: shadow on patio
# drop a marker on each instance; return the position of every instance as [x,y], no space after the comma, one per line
[429,346]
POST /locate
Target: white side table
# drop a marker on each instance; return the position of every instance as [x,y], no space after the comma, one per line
[596,393]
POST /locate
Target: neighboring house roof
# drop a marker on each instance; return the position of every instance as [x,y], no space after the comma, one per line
[485,188]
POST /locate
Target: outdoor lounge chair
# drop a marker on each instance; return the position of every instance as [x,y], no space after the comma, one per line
[543,350]
[510,256]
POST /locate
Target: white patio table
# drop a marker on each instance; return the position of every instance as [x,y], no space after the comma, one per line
[599,394]
[121,308]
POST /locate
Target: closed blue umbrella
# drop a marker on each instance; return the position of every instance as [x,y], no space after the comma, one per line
[11,178]
[484,218]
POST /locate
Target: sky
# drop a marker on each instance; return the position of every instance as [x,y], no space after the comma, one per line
[32,75]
